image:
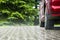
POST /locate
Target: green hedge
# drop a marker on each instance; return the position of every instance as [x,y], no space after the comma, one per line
[18,10]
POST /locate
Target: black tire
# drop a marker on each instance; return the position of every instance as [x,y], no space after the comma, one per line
[42,24]
[49,23]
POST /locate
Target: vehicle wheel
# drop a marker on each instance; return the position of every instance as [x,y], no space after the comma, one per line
[49,23]
[41,24]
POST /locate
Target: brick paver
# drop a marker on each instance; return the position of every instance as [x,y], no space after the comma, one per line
[28,33]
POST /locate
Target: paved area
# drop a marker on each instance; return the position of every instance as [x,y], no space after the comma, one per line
[28,33]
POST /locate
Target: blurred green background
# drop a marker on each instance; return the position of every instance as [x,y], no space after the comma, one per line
[22,12]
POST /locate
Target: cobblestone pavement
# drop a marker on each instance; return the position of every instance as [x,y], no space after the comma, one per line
[28,33]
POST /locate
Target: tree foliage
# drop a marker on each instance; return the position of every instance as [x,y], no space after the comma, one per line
[18,9]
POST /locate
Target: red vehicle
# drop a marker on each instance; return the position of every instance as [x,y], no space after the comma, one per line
[49,13]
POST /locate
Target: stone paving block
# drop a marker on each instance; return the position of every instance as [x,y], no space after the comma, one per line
[28,33]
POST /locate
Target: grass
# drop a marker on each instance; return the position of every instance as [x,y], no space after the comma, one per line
[5,23]
[56,25]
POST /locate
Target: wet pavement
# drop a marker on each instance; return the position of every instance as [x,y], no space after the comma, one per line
[28,33]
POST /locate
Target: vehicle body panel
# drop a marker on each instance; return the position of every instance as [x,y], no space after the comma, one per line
[53,9]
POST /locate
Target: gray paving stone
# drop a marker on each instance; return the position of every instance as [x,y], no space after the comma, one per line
[28,33]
